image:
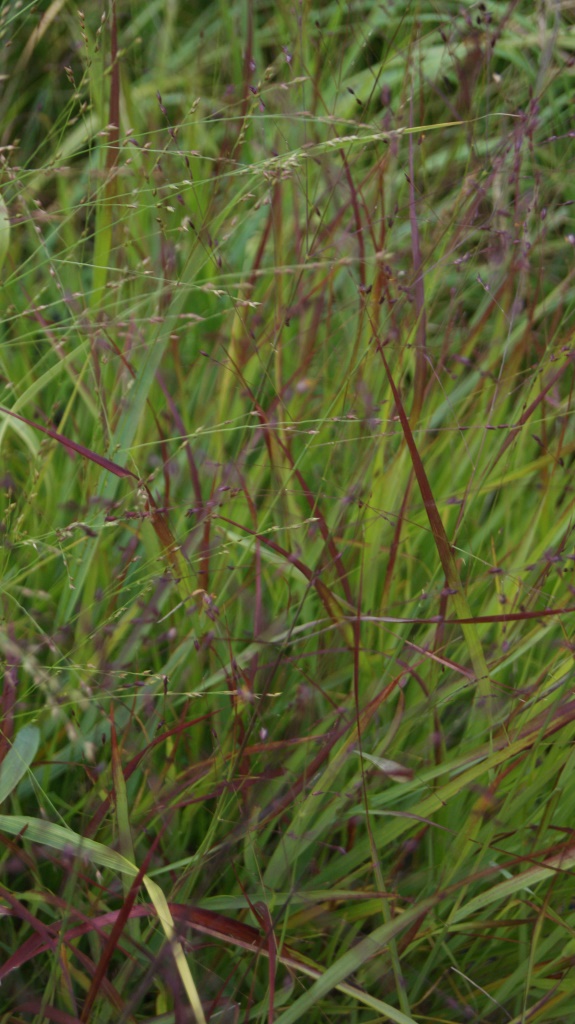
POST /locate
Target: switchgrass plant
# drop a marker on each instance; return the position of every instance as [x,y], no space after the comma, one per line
[287,512]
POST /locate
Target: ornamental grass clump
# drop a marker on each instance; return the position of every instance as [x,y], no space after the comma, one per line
[287,510]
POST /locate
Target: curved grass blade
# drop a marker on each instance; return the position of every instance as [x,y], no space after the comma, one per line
[351,961]
[59,838]
[18,759]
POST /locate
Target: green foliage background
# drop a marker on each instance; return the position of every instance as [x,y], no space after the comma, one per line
[287,511]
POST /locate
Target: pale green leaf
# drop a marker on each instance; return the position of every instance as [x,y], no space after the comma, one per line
[18,759]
